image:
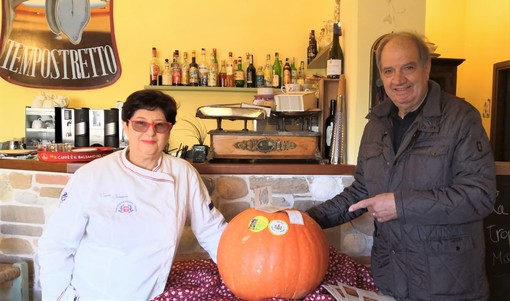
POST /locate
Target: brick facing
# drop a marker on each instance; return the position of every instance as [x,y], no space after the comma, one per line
[24,198]
[45,178]
[22,214]
[20,180]
[52,192]
[13,229]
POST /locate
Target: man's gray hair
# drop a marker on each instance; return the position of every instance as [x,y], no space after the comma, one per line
[416,39]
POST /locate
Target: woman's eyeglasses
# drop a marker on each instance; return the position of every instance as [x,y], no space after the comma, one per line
[141,126]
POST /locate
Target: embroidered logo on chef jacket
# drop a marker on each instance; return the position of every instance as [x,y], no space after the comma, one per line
[63,197]
[125,207]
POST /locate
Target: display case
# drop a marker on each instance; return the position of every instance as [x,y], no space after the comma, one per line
[39,126]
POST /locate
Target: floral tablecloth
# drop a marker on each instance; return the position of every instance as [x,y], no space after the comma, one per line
[199,280]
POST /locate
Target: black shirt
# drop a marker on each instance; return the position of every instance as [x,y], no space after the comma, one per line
[400,125]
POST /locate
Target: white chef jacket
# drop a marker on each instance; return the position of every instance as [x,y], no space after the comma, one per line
[117,227]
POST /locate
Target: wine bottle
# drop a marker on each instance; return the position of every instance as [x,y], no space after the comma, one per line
[277,71]
[293,75]
[301,74]
[268,72]
[260,76]
[203,70]
[222,76]
[185,70]
[287,72]
[193,70]
[176,70]
[167,74]
[154,68]
[334,66]
[312,46]
[212,76]
[251,74]
[229,82]
[239,73]
[328,129]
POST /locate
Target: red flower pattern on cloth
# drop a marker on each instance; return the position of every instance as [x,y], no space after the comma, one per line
[199,280]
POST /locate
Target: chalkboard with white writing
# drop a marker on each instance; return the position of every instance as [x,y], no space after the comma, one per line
[497,242]
[497,230]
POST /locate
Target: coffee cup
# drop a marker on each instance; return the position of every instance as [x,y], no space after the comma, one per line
[265,91]
[37,124]
[61,101]
[291,88]
[48,103]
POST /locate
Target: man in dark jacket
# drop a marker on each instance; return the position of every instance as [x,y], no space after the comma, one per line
[425,172]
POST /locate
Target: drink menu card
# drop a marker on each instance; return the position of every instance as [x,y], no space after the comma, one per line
[344,292]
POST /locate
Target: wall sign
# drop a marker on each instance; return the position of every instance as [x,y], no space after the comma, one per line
[497,237]
[61,44]
[497,230]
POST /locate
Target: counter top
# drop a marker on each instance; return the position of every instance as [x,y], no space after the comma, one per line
[203,168]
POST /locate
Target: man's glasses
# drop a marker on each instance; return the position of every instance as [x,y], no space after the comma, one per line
[141,126]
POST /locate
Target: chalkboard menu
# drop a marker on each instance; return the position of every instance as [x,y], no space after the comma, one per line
[497,241]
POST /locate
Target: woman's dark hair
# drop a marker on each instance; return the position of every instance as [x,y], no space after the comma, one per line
[150,100]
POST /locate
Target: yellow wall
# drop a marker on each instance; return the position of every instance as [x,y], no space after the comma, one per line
[261,27]
[478,31]
[364,21]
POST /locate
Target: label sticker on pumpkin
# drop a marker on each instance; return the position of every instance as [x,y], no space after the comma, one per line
[295,217]
[278,227]
[258,223]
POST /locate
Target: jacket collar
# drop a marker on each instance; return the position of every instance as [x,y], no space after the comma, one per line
[429,116]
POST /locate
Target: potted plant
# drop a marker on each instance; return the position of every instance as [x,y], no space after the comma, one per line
[198,131]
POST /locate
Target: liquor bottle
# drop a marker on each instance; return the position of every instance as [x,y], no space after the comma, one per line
[185,70]
[287,72]
[322,41]
[203,70]
[212,76]
[193,70]
[301,74]
[176,70]
[154,68]
[251,74]
[312,46]
[328,129]
[281,72]
[293,75]
[259,82]
[239,73]
[334,66]
[167,74]
[229,82]
[222,76]
[268,72]
[277,71]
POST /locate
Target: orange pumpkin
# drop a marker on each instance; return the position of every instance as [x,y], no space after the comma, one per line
[264,255]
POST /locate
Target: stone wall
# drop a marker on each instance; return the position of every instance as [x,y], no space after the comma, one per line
[27,200]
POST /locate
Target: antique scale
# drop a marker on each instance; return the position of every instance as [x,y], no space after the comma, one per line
[286,142]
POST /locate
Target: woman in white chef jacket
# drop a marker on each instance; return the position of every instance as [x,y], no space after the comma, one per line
[116,230]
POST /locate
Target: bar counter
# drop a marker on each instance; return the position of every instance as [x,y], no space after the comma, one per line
[203,168]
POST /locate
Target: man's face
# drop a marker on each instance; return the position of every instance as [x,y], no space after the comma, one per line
[404,78]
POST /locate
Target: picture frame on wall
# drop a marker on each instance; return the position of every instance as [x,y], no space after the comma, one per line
[60,44]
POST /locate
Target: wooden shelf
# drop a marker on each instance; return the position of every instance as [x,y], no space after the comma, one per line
[203,168]
[444,72]
[202,89]
[320,61]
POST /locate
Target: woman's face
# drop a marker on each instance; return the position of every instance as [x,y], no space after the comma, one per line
[145,131]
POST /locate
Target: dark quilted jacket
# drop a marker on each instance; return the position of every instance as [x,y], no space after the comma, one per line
[444,183]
